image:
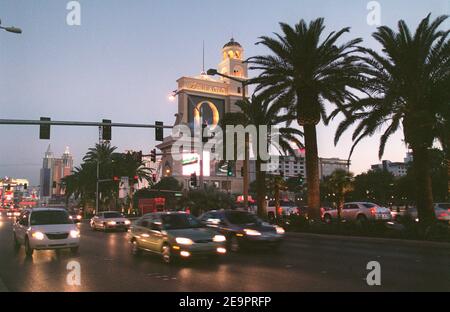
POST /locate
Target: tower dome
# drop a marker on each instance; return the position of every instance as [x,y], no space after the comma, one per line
[232,43]
[232,50]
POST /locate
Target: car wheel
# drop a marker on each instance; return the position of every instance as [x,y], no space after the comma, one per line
[135,250]
[74,250]
[104,227]
[361,220]
[327,219]
[93,226]
[234,244]
[28,250]
[166,253]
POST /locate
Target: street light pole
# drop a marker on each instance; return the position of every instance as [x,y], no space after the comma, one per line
[243,82]
[98,172]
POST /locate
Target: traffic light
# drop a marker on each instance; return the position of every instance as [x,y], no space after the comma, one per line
[44,130]
[135,179]
[153,155]
[194,179]
[116,179]
[106,130]
[229,169]
[242,171]
[159,131]
[301,180]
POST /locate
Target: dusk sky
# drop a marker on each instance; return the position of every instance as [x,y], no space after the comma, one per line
[125,58]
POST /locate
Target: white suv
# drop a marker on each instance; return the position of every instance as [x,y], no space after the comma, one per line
[45,228]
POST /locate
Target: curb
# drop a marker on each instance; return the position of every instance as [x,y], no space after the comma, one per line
[409,242]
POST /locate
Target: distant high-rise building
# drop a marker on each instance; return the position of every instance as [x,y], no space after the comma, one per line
[329,165]
[398,169]
[52,171]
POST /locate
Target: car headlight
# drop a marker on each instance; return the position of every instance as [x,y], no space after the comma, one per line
[184,241]
[127,222]
[251,232]
[219,238]
[112,222]
[38,235]
[74,233]
[79,217]
[279,230]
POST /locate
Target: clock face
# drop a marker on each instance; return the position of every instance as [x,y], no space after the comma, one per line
[204,109]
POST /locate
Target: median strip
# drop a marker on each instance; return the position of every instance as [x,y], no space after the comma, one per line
[3,286]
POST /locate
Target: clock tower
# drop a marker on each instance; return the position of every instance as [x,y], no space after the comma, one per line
[206,99]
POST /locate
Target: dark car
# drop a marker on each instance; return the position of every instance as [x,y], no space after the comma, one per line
[75,216]
[243,229]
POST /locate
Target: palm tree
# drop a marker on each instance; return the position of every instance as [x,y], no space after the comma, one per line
[275,185]
[264,111]
[308,72]
[409,88]
[82,182]
[339,183]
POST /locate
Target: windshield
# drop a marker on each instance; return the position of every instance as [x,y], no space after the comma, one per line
[49,217]
[110,215]
[179,221]
[445,206]
[241,217]
[369,205]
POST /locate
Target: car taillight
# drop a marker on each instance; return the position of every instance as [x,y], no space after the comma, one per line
[443,214]
[373,211]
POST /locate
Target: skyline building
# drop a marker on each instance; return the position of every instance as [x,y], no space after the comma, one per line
[52,171]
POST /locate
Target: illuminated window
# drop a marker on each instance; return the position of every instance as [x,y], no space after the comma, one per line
[230,54]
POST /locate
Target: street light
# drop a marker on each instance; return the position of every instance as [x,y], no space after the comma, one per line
[212,72]
[11,29]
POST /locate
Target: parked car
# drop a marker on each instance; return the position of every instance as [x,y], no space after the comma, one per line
[45,228]
[175,235]
[110,220]
[361,212]
[441,211]
[286,209]
[243,229]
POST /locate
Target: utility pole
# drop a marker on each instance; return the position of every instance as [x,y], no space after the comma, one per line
[98,172]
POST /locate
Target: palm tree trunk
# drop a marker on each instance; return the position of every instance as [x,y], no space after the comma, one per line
[424,191]
[312,172]
[260,189]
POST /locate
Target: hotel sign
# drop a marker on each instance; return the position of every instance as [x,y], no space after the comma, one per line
[198,85]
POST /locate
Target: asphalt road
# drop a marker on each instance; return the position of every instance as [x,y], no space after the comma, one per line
[306,262]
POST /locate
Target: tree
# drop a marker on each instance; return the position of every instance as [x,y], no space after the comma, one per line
[275,185]
[264,110]
[208,198]
[82,182]
[307,72]
[408,87]
[339,184]
[375,186]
